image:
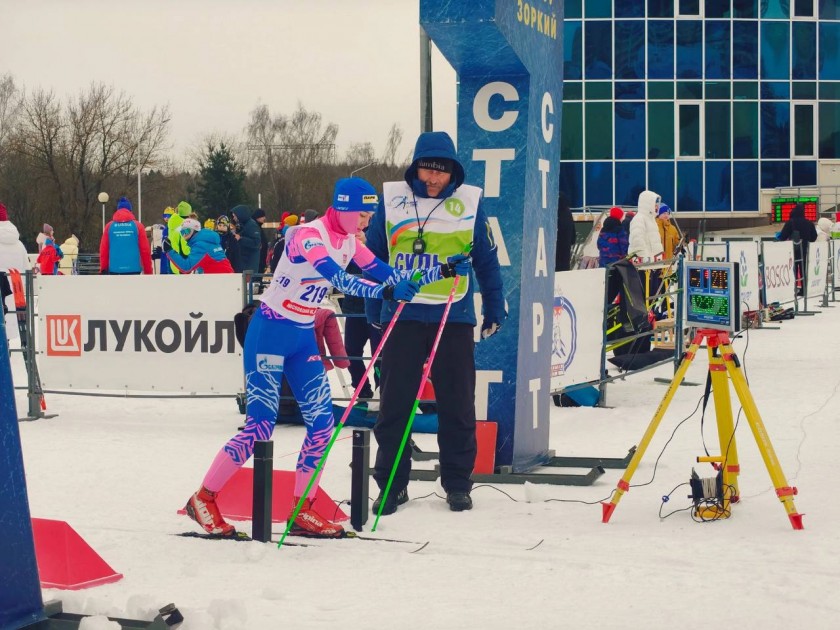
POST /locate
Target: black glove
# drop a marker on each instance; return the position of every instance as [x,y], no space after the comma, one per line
[403,291]
[458,265]
[488,329]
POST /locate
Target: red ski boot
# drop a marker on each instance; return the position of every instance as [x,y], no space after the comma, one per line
[203,510]
[310,523]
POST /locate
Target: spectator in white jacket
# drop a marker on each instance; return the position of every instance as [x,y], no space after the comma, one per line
[824,229]
[645,244]
[70,249]
[12,256]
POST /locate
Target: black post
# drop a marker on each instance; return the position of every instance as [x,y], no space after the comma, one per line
[263,476]
[360,479]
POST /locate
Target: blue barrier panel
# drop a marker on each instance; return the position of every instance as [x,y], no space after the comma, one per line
[508,56]
[20,589]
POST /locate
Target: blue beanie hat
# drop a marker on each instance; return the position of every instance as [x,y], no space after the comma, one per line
[124,204]
[663,208]
[354,194]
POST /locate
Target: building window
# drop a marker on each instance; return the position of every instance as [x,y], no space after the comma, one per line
[803,8]
[829,124]
[745,49]
[804,48]
[599,130]
[572,50]
[689,130]
[660,130]
[690,8]
[571,144]
[630,9]
[660,8]
[718,8]
[629,49]
[599,183]
[598,8]
[744,130]
[775,9]
[829,9]
[598,49]
[629,130]
[829,55]
[629,182]
[660,49]
[745,9]
[718,39]
[803,128]
[690,49]
[717,128]
[775,130]
[775,50]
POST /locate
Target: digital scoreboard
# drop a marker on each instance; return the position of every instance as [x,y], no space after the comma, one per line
[711,298]
[783,205]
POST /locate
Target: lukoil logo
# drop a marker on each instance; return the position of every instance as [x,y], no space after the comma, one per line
[269,363]
[64,335]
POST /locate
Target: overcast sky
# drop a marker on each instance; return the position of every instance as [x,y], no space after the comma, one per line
[213,61]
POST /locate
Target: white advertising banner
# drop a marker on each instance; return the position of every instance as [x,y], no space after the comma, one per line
[715,252]
[818,257]
[835,250]
[745,253]
[779,279]
[143,333]
[578,327]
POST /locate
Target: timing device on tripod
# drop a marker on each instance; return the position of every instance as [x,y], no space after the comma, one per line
[711,303]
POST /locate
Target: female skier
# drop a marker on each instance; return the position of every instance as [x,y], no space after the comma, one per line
[280,341]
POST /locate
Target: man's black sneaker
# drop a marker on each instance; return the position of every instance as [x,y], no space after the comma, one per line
[459,501]
[391,504]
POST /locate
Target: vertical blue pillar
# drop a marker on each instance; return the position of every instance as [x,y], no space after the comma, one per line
[20,589]
[508,57]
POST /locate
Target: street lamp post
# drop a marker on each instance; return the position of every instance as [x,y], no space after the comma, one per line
[103,199]
[139,195]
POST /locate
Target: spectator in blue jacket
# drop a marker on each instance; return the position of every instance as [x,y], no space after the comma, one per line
[124,248]
[247,235]
[206,253]
[613,240]
[429,217]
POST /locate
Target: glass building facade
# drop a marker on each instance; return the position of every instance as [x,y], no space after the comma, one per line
[703,101]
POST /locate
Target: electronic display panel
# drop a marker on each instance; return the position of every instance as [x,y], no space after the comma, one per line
[712,295]
[783,205]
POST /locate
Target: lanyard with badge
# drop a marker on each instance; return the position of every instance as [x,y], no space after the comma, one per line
[419,245]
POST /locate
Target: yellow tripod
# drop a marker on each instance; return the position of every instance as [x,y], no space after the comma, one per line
[723,363]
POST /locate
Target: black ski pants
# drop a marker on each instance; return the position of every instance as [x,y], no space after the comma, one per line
[453,378]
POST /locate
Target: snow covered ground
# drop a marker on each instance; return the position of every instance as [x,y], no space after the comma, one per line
[118,469]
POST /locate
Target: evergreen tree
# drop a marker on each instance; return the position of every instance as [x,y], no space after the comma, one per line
[221,181]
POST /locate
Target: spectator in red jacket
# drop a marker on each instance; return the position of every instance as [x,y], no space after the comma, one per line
[124,249]
[49,257]
[328,335]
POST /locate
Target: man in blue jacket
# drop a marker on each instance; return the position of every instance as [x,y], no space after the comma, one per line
[429,217]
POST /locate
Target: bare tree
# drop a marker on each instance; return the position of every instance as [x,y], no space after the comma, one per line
[360,154]
[289,153]
[392,146]
[98,141]
[10,98]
